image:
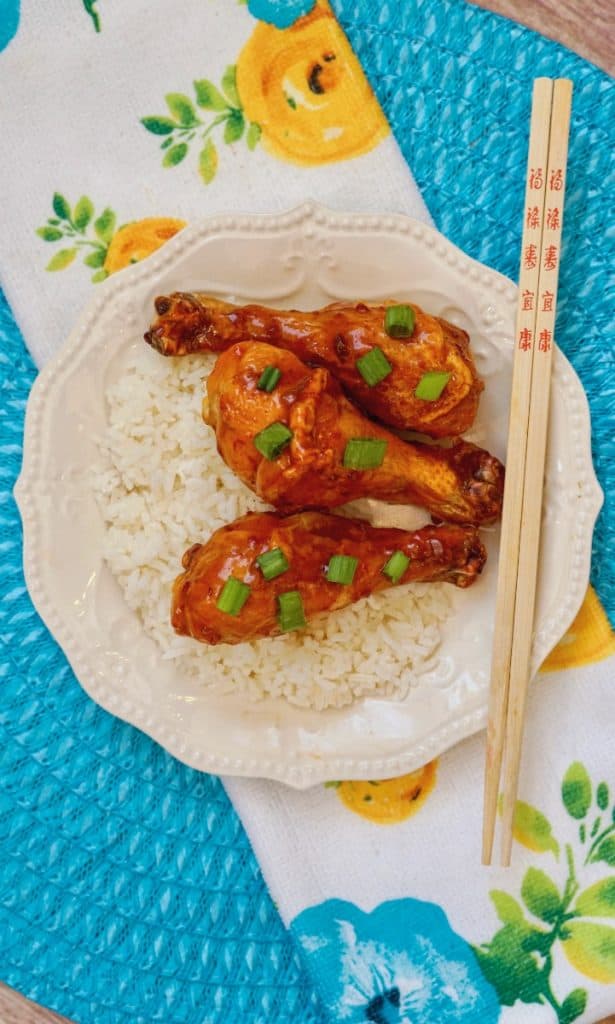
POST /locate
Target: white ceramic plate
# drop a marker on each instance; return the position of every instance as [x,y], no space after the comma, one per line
[305,258]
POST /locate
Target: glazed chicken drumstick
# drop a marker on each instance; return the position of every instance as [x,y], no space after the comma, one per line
[339,337]
[302,444]
[266,574]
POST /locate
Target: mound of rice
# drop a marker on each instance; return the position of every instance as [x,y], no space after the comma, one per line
[161,486]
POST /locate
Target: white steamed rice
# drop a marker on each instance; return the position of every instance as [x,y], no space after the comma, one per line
[162,486]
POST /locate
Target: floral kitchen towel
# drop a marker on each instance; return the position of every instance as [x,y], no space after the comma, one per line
[380,881]
[121,122]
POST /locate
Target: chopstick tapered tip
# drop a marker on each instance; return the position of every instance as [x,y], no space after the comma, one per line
[506,850]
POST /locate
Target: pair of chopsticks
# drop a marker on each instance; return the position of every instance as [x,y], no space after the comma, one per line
[525,461]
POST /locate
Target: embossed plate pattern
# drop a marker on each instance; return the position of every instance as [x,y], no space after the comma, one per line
[305,258]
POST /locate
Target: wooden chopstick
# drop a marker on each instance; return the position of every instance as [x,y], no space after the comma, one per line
[516,451]
[546,299]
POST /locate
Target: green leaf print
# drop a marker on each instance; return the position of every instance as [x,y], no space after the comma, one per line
[513,972]
[229,85]
[533,830]
[540,895]
[605,851]
[175,155]
[89,6]
[180,130]
[591,949]
[602,796]
[96,258]
[520,958]
[233,129]
[62,259]
[73,227]
[208,162]
[598,900]
[84,211]
[182,109]
[507,908]
[208,97]
[49,234]
[577,790]
[104,226]
[158,125]
[254,134]
[60,206]
[99,276]
[573,1006]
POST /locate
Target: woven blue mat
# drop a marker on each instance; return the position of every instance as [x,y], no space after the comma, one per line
[128,890]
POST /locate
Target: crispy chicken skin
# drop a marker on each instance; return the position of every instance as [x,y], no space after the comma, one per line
[335,337]
[308,540]
[462,483]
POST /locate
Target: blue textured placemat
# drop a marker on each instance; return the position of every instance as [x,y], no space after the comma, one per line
[128,890]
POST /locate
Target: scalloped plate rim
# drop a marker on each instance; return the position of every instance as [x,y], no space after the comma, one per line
[311,769]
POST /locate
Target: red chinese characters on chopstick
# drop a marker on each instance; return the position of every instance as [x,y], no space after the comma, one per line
[530,257]
[544,340]
[531,247]
[549,259]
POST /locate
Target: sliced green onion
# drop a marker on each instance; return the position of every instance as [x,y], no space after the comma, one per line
[233,596]
[364,453]
[272,563]
[431,385]
[399,321]
[374,366]
[269,378]
[272,441]
[341,569]
[396,566]
[291,614]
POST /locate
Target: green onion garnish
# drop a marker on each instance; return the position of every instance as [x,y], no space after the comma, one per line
[273,440]
[431,385]
[364,453]
[269,378]
[374,366]
[272,563]
[291,614]
[341,569]
[399,321]
[396,566]
[233,596]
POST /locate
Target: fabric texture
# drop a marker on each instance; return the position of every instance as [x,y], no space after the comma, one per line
[128,888]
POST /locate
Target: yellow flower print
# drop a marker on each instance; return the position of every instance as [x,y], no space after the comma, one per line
[390,800]
[135,241]
[96,239]
[306,90]
[590,638]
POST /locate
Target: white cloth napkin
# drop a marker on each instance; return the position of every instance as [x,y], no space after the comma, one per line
[332,871]
[71,104]
[386,913]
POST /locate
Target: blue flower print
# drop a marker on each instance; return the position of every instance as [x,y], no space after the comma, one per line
[281,13]
[9,20]
[400,964]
